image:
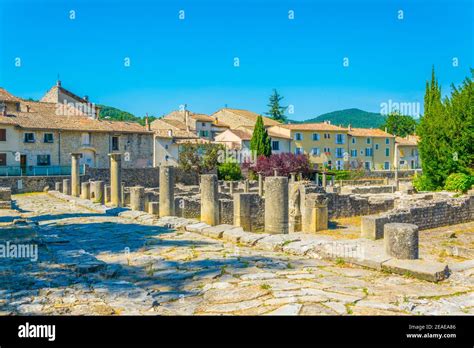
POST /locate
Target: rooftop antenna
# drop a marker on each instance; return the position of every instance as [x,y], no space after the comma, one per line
[58,81]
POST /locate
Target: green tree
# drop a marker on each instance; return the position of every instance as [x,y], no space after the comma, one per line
[400,125]
[446,133]
[260,142]
[276,111]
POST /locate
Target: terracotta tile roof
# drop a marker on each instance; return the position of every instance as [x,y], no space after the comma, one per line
[243,134]
[7,96]
[411,140]
[161,128]
[252,116]
[368,132]
[321,126]
[202,117]
[192,141]
[175,123]
[270,132]
[49,116]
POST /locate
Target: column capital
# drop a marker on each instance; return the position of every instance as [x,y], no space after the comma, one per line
[115,155]
[76,154]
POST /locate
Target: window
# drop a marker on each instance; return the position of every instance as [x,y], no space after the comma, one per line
[386,165]
[316,151]
[3,159]
[362,152]
[3,135]
[339,165]
[387,151]
[29,137]
[18,107]
[327,150]
[86,139]
[298,136]
[115,143]
[368,140]
[387,141]
[43,160]
[204,133]
[48,137]
[376,146]
[413,152]
[402,162]
[327,136]
[315,136]
[203,124]
[353,140]
[339,138]
[353,153]
[368,151]
[339,152]
[299,151]
[367,165]
[275,145]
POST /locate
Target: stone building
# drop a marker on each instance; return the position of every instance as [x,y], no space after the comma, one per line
[203,126]
[234,118]
[40,135]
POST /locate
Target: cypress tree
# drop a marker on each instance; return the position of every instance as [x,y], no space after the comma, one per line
[260,142]
[276,111]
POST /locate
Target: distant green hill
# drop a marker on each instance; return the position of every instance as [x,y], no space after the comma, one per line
[355,117]
[113,114]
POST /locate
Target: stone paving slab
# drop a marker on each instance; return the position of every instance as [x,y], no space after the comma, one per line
[431,271]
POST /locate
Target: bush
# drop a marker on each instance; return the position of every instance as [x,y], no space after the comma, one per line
[423,183]
[459,182]
[285,163]
[229,170]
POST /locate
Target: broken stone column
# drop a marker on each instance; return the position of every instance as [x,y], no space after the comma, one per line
[244,204]
[316,179]
[276,204]
[99,196]
[75,175]
[293,178]
[231,187]
[333,180]
[397,181]
[137,198]
[116,179]
[67,186]
[246,186]
[58,186]
[85,190]
[260,185]
[154,208]
[324,180]
[167,207]
[294,207]
[107,193]
[315,213]
[209,199]
[401,240]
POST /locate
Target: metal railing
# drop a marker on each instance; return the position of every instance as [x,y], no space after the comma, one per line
[38,170]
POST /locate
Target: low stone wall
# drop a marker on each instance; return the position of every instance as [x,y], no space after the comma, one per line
[424,214]
[341,205]
[368,189]
[24,184]
[146,177]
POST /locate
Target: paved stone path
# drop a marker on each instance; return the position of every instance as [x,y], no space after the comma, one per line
[91,263]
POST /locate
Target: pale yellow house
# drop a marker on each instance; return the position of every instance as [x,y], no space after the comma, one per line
[370,148]
[406,153]
[323,142]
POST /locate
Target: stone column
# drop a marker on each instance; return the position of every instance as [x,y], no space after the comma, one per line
[401,240]
[75,176]
[137,198]
[324,180]
[67,186]
[209,199]
[154,208]
[294,207]
[276,204]
[85,190]
[397,181]
[316,179]
[244,204]
[333,180]
[116,179]
[167,191]
[275,172]
[315,213]
[260,185]
[107,193]
[231,187]
[246,186]
[99,194]
[293,178]
[58,186]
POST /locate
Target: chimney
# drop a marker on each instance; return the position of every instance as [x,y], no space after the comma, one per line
[86,98]
[349,127]
[58,83]
[385,129]
[147,123]
[170,132]
[186,118]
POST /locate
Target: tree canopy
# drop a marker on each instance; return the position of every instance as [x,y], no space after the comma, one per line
[260,142]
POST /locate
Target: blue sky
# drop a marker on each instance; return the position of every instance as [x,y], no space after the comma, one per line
[191,61]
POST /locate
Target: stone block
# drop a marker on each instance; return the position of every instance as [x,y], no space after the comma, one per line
[154,208]
[216,231]
[198,227]
[372,227]
[401,240]
[426,270]
[275,242]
